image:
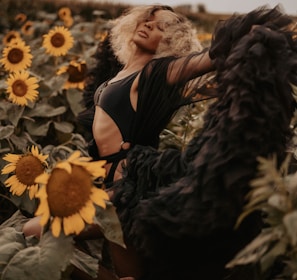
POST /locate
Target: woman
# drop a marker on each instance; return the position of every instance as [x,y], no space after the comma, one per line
[166,215]
[161,58]
[160,54]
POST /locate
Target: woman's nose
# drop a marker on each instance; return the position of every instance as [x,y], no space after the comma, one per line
[148,24]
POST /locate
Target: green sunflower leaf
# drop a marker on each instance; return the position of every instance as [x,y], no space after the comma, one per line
[46,111]
[37,128]
[6,131]
[14,113]
[11,242]
[47,260]
[64,127]
[109,222]
[74,98]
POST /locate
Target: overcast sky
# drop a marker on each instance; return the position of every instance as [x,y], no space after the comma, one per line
[221,6]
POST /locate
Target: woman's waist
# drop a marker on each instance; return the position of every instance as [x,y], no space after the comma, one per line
[110,153]
[115,157]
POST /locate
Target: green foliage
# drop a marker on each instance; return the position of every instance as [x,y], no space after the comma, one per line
[274,192]
[44,260]
[50,123]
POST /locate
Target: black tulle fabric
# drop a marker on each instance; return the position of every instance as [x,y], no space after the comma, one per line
[179,209]
[158,100]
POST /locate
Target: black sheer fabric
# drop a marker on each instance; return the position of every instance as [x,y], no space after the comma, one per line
[163,88]
[179,209]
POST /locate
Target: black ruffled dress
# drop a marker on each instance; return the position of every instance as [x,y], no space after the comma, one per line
[178,209]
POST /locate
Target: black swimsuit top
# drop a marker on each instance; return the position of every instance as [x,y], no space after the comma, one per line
[114,99]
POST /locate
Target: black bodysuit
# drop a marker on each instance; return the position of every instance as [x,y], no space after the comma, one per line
[156,104]
[114,99]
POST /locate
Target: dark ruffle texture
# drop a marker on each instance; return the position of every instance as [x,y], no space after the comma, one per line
[179,209]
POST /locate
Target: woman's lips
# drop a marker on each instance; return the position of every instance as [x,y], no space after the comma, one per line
[142,33]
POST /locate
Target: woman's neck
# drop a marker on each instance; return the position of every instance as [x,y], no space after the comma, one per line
[134,64]
[137,61]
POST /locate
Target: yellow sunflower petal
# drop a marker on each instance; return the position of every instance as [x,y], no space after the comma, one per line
[81,85]
[8,168]
[13,158]
[42,178]
[64,165]
[99,196]
[96,168]
[44,213]
[33,190]
[16,187]
[73,224]
[43,209]
[32,81]
[62,70]
[74,156]
[44,218]
[56,226]
[42,194]
[88,212]
[68,22]
[34,151]
[11,180]
[40,156]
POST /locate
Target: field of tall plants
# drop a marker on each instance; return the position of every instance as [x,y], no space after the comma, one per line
[46,51]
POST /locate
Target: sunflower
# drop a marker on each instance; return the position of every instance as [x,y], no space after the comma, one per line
[26,167]
[21,88]
[16,56]
[10,37]
[64,12]
[58,41]
[20,18]
[28,28]
[77,73]
[67,194]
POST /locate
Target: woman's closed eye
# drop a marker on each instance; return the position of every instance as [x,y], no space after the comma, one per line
[161,25]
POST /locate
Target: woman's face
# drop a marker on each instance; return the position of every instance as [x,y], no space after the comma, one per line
[149,33]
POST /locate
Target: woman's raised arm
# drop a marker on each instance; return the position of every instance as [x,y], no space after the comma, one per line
[189,67]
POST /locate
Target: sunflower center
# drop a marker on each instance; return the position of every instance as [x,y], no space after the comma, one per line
[28,27]
[27,169]
[68,193]
[58,40]
[76,75]
[15,55]
[19,88]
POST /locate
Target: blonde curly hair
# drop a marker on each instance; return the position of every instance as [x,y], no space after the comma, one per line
[179,38]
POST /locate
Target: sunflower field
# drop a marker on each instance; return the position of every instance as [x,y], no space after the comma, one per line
[46,51]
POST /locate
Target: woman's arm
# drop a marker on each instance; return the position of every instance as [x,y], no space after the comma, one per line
[189,67]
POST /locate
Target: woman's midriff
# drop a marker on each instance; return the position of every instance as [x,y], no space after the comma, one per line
[107,136]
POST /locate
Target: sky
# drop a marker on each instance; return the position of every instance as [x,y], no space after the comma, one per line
[221,6]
